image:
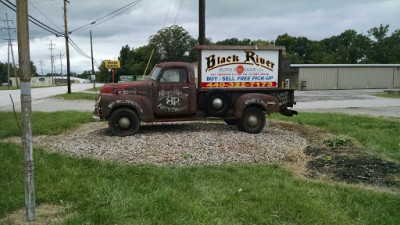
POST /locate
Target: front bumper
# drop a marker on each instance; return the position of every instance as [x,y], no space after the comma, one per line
[96,113]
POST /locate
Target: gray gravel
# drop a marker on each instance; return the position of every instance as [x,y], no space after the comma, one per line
[182,143]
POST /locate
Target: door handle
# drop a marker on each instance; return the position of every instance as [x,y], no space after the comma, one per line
[185,87]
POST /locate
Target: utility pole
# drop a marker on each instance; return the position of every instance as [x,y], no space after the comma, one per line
[202,32]
[51,47]
[67,47]
[61,71]
[8,67]
[202,21]
[41,66]
[91,50]
[26,106]
[10,46]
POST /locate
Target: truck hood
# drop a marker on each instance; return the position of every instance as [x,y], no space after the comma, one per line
[127,88]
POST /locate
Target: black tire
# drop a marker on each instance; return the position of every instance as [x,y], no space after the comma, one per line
[231,122]
[217,103]
[252,120]
[124,122]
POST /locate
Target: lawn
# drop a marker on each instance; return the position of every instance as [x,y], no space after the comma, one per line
[15,88]
[77,96]
[387,95]
[100,192]
[381,135]
[8,88]
[95,89]
[43,122]
[108,193]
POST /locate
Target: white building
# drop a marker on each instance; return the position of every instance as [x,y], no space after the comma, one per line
[49,81]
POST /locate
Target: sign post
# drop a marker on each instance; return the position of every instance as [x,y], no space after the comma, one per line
[112,65]
[113,75]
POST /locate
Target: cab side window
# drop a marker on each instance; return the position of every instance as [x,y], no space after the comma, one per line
[175,75]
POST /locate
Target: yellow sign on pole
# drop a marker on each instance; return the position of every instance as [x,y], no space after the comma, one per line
[112,64]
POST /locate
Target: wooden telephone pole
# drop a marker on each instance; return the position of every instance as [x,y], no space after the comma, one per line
[202,21]
[67,47]
[26,106]
[91,50]
[10,46]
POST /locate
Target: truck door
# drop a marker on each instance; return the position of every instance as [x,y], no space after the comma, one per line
[174,95]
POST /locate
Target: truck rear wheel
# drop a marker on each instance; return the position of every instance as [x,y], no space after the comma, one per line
[252,120]
[217,103]
[124,122]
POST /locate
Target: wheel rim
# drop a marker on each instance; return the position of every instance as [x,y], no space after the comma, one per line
[252,120]
[124,123]
[217,103]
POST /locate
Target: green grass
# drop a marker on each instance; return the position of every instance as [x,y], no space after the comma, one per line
[386,95]
[43,123]
[15,88]
[382,135]
[77,95]
[6,88]
[108,193]
[95,89]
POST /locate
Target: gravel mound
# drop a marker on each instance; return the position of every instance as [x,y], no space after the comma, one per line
[182,143]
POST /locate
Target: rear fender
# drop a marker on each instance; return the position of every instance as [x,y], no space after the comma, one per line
[140,104]
[269,103]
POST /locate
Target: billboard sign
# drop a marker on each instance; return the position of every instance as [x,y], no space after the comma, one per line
[112,64]
[239,68]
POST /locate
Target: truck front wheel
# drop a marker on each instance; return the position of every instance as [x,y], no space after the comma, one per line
[124,122]
[217,103]
[252,120]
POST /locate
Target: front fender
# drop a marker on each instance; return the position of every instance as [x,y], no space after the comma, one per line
[267,102]
[141,104]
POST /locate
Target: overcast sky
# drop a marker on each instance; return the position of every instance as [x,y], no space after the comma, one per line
[253,19]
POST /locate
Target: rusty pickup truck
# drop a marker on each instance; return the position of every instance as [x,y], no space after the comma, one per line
[237,84]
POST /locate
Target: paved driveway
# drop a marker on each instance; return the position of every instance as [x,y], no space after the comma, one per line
[357,102]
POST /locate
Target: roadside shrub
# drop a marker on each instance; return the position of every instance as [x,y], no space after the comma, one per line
[338,141]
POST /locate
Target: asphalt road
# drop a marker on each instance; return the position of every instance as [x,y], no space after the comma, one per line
[357,102]
[41,100]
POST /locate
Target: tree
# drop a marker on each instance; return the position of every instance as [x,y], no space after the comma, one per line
[348,47]
[394,42]
[234,41]
[319,54]
[3,72]
[34,70]
[260,42]
[297,48]
[141,58]
[124,58]
[174,44]
[85,74]
[381,49]
[103,76]
[379,33]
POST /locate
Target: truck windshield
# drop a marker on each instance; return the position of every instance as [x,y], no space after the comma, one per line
[155,73]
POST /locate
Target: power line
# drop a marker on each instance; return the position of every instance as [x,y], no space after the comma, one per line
[33,20]
[110,15]
[179,10]
[75,46]
[43,15]
[169,7]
